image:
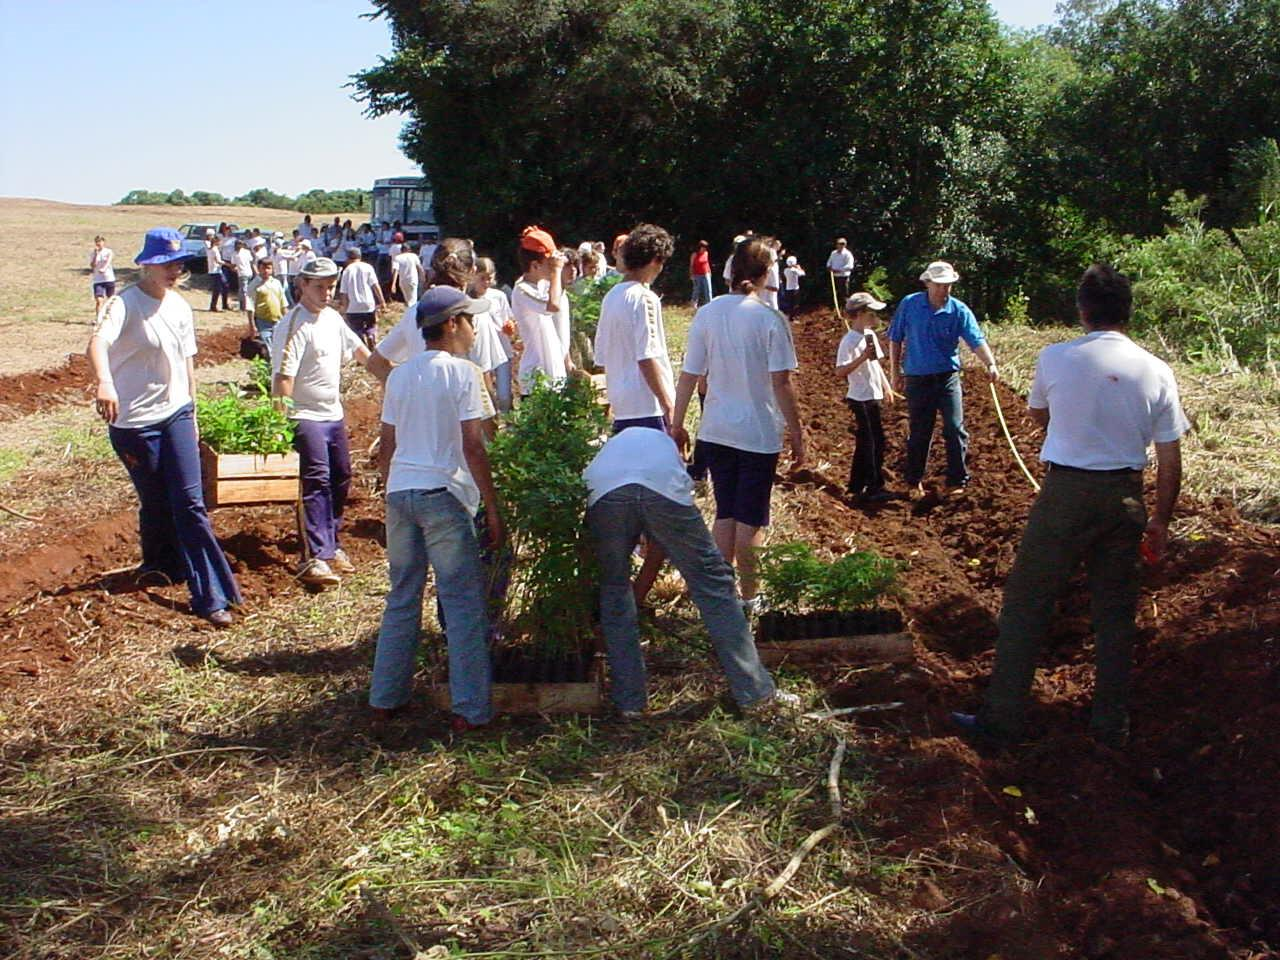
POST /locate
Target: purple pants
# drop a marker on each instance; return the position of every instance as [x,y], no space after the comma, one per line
[325,468]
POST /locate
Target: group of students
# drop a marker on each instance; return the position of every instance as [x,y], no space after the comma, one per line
[440,366]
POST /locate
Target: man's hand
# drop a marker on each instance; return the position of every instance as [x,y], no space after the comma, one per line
[798,452]
[993,372]
[107,403]
[497,531]
[681,436]
[1155,541]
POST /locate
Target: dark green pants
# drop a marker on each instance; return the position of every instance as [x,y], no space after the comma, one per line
[1097,519]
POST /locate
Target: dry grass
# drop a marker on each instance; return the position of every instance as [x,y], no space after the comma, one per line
[1233,450]
[45,296]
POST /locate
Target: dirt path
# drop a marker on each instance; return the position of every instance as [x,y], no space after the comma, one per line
[1165,851]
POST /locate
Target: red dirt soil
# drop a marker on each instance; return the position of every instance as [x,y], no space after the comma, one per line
[1191,808]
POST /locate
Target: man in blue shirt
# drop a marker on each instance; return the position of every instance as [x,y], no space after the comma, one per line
[929,326]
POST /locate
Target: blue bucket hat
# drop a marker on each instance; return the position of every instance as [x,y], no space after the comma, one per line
[161,245]
[440,303]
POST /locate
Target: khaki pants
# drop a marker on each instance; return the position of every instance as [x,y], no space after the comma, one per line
[1092,517]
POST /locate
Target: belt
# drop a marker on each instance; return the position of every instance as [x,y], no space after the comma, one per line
[1122,471]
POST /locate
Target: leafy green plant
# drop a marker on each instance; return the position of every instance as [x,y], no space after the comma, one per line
[585,298]
[232,424]
[260,375]
[795,579]
[537,460]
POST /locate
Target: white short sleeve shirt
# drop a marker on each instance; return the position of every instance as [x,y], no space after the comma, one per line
[737,341]
[867,381]
[427,400]
[542,347]
[639,455]
[148,342]
[631,330]
[312,348]
[103,271]
[1108,400]
[500,313]
[358,281]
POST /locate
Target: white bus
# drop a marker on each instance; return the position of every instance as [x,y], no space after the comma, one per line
[408,201]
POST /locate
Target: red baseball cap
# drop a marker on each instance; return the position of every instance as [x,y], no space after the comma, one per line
[537,240]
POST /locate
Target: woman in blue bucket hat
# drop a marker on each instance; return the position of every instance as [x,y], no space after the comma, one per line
[141,352]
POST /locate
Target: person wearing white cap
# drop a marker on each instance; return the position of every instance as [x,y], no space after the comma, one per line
[858,359]
[840,265]
[307,354]
[924,361]
[791,286]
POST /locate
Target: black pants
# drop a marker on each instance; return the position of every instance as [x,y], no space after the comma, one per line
[842,289]
[219,290]
[867,472]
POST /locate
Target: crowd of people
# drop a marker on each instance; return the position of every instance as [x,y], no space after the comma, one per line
[464,351]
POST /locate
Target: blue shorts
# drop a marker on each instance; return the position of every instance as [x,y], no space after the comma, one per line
[104,289]
[742,482]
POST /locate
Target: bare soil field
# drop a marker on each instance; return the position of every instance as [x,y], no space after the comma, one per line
[167,790]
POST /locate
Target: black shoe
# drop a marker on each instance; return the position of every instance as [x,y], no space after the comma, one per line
[879,495]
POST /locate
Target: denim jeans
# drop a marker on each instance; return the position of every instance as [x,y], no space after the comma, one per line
[701,289]
[927,396]
[163,461]
[431,526]
[219,290]
[324,465]
[266,331]
[502,383]
[616,522]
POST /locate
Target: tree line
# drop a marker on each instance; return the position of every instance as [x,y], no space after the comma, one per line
[313,201]
[919,129]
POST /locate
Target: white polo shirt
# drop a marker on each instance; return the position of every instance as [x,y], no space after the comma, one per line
[631,330]
[312,348]
[737,342]
[427,400]
[148,342]
[1108,400]
[639,455]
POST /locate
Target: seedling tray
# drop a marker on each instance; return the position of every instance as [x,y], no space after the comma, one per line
[833,636]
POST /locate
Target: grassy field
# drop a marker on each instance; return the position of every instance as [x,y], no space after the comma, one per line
[46,302]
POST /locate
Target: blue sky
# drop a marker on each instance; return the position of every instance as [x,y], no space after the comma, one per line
[108,96]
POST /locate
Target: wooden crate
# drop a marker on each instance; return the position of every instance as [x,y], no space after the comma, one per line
[886,647]
[536,699]
[240,479]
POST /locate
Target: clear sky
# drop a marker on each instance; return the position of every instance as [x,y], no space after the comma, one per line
[105,97]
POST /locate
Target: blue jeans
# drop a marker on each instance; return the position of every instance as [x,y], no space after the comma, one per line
[502,383]
[927,396]
[431,526]
[616,522]
[266,331]
[701,289]
[163,461]
[219,290]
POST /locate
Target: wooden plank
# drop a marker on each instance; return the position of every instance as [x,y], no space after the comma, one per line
[233,466]
[532,699]
[889,647]
[242,492]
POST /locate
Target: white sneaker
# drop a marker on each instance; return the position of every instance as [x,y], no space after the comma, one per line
[753,607]
[782,703]
[341,563]
[316,573]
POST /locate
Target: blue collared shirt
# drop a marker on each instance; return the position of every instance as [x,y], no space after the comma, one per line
[933,336]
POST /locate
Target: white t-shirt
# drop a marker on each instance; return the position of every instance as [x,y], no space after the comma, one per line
[631,330]
[639,455]
[212,256]
[771,280]
[500,313]
[426,400]
[283,259]
[244,265]
[312,348]
[358,281]
[792,276]
[840,262]
[1108,399]
[227,247]
[406,266]
[404,341]
[737,341]
[543,349]
[866,382]
[103,271]
[486,350]
[148,342]
[562,322]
